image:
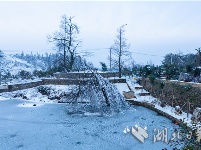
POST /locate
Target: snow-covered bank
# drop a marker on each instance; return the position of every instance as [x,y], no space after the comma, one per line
[45,93]
[150,99]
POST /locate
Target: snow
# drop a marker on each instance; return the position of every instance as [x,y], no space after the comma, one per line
[50,127]
[14,65]
[20,81]
[3,98]
[122,87]
[150,99]
[116,78]
[30,104]
[32,94]
[40,123]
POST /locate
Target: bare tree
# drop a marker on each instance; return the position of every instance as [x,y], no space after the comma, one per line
[120,49]
[66,41]
[95,94]
[79,63]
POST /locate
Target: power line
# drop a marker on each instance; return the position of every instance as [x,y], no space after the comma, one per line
[131,52]
[81,51]
[94,49]
[147,54]
[26,51]
[15,50]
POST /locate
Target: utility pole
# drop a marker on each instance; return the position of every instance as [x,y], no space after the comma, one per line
[0,74]
[110,58]
[1,57]
[120,54]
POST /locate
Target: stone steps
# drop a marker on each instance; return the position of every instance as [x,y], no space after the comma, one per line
[144,94]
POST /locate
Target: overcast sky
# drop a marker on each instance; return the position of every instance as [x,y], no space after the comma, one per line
[153,28]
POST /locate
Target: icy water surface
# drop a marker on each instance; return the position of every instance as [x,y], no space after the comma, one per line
[49,127]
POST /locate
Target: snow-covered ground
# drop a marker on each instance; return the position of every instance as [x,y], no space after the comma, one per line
[150,99]
[15,65]
[20,81]
[40,123]
[48,126]
[52,93]
[121,87]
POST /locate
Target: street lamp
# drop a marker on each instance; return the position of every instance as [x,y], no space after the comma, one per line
[123,26]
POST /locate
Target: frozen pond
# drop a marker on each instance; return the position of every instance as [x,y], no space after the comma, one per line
[49,127]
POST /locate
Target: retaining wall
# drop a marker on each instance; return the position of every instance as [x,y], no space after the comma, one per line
[15,87]
[78,75]
[22,86]
[63,81]
[175,93]
[150,106]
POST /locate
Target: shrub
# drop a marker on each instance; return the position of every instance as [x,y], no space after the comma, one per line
[44,90]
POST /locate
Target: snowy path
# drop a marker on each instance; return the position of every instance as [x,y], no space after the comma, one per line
[121,87]
[49,127]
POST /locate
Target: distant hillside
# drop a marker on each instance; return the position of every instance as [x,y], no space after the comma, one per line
[51,61]
[15,65]
[10,66]
[27,66]
[41,61]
